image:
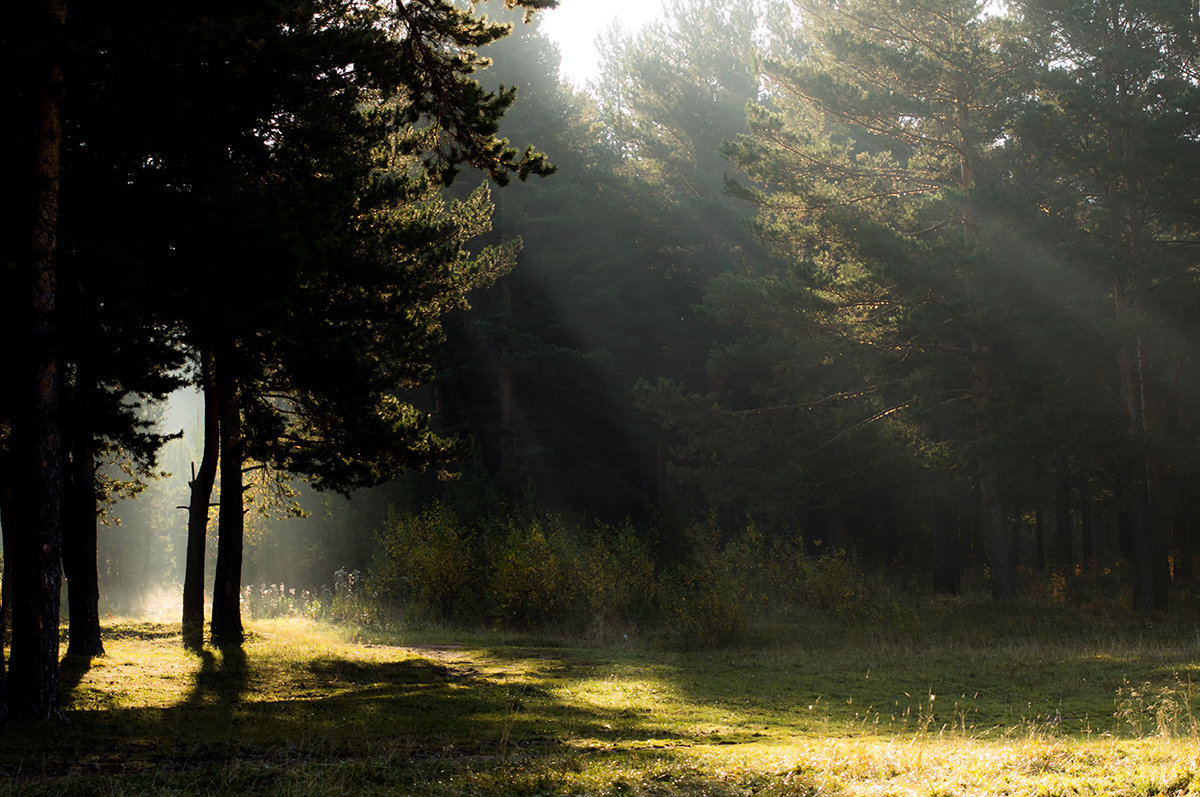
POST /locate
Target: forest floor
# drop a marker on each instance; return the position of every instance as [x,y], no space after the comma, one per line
[812,708]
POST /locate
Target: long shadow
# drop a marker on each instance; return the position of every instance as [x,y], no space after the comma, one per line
[222,678]
[71,670]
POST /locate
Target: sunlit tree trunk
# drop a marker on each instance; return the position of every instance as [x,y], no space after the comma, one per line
[201,496]
[226,613]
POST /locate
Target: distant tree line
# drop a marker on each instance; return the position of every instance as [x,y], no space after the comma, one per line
[916,280]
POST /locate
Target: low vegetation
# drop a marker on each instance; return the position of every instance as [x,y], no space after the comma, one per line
[1067,703]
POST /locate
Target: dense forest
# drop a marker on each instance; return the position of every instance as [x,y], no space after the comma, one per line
[797,302]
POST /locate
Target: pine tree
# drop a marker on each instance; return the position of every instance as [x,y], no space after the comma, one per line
[1109,149]
[879,170]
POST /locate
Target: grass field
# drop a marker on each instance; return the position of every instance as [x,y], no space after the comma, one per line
[1002,705]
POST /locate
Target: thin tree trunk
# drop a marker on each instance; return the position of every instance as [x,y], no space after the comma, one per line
[1064,531]
[226,614]
[6,521]
[79,548]
[1130,373]
[1185,533]
[947,549]
[996,530]
[1039,537]
[1086,523]
[201,496]
[8,526]
[37,547]
[505,386]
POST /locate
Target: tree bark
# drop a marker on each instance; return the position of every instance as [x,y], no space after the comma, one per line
[6,525]
[1039,538]
[226,624]
[201,496]
[947,549]
[79,547]
[1086,524]
[37,544]
[996,530]
[1064,531]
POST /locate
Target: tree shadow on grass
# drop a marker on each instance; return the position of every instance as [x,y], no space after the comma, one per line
[221,679]
[72,669]
[339,709]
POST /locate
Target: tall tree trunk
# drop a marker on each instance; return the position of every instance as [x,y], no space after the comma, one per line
[201,496]
[1157,519]
[1186,504]
[37,545]
[1148,595]
[505,387]
[1064,531]
[1185,536]
[6,525]
[227,611]
[996,529]
[947,548]
[1039,538]
[79,546]
[1087,526]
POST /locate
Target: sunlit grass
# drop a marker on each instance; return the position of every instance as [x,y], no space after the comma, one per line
[310,708]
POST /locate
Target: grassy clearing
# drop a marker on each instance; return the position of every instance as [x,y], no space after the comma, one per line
[309,709]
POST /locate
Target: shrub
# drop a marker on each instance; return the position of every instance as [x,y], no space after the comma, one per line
[531,566]
[616,577]
[423,562]
[708,599]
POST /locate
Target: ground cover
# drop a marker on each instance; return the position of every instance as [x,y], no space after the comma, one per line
[810,708]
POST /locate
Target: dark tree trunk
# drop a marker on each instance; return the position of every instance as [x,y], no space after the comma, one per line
[37,545]
[79,548]
[1087,525]
[1185,536]
[997,532]
[1143,561]
[7,525]
[1064,531]
[227,611]
[1039,537]
[201,496]
[891,531]
[6,521]
[947,549]
[1156,518]
[1125,534]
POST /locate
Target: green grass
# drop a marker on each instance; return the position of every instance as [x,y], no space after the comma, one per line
[1057,705]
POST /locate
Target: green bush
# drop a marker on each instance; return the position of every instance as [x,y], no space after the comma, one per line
[424,563]
[616,578]
[530,581]
[709,599]
[833,581]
